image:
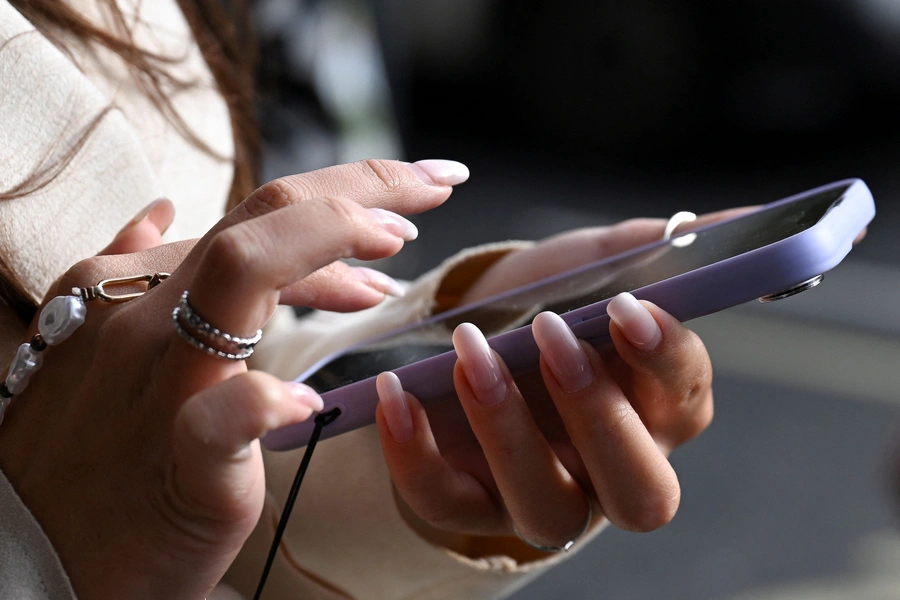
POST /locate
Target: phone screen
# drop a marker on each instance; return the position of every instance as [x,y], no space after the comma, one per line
[586,285]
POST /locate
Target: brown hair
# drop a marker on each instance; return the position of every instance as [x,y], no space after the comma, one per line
[223,33]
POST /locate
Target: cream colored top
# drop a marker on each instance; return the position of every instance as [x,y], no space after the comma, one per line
[346,538]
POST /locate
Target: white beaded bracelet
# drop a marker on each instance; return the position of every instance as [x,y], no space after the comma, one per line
[58,321]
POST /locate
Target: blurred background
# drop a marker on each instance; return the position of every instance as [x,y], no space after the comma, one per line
[588,112]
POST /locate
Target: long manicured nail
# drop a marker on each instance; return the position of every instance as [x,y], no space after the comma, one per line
[306,395]
[395,224]
[395,407]
[563,352]
[635,321]
[480,365]
[440,172]
[381,282]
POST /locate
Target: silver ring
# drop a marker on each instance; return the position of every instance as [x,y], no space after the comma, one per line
[211,340]
[677,219]
[568,545]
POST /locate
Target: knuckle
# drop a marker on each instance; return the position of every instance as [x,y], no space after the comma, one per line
[342,209]
[699,384]
[387,172]
[702,418]
[346,229]
[273,195]
[685,377]
[697,421]
[618,423]
[231,251]
[85,272]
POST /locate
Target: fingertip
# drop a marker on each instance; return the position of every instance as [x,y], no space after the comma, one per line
[480,365]
[162,214]
[232,414]
[635,321]
[395,407]
[381,282]
[145,230]
[563,352]
[306,396]
[440,172]
[654,510]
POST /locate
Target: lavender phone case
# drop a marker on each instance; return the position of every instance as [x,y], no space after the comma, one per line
[699,292]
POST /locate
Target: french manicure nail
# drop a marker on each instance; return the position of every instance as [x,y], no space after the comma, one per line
[563,352]
[395,406]
[480,365]
[381,282]
[306,395]
[395,224]
[635,321]
[440,172]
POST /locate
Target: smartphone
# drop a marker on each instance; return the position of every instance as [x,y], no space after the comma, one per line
[773,251]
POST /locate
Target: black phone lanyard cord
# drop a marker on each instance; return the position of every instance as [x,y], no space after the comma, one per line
[321,420]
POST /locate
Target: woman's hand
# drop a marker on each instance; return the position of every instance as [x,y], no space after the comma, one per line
[136,452]
[529,454]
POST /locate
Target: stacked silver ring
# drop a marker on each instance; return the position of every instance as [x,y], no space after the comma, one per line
[204,336]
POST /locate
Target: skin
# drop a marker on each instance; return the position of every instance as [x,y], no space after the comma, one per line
[532,462]
[527,466]
[154,445]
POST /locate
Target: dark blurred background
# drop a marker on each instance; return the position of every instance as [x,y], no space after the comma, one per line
[588,112]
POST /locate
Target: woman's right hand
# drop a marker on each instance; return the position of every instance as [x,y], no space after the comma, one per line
[138,453]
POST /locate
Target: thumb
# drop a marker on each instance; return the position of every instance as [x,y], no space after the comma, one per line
[145,230]
[215,446]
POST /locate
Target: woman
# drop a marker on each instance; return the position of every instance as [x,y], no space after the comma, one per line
[131,466]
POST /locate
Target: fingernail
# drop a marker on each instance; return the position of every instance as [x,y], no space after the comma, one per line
[395,224]
[144,212]
[480,365]
[563,352]
[440,172]
[381,282]
[306,395]
[635,321]
[160,212]
[395,406]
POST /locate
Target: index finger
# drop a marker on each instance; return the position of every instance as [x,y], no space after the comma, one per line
[403,188]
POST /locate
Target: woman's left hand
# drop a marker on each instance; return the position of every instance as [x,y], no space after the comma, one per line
[530,453]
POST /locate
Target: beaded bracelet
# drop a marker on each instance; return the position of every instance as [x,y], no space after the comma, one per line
[58,321]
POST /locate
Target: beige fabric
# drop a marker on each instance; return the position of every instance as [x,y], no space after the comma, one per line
[29,567]
[46,103]
[346,538]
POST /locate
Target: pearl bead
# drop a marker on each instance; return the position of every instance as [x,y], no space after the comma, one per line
[24,365]
[60,318]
